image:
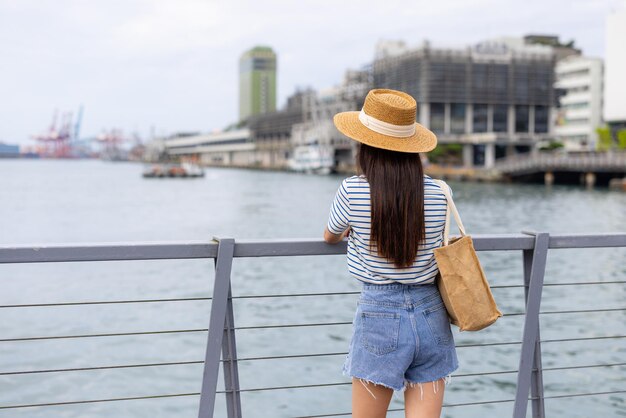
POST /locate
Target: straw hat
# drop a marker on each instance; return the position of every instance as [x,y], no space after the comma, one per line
[387,121]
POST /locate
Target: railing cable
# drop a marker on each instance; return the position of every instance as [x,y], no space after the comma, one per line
[293,356]
[343,414]
[575,395]
[132,398]
[585,283]
[103,302]
[296,295]
[118,334]
[83,369]
[112,302]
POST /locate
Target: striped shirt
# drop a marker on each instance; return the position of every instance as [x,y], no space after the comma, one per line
[351,208]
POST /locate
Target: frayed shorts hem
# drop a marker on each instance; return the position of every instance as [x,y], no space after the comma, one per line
[447,379]
[373,382]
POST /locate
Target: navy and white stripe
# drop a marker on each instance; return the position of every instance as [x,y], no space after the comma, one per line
[351,208]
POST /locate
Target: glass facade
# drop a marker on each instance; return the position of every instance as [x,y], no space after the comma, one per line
[490,82]
[404,75]
[457,118]
[521,83]
[437,117]
[541,119]
[265,64]
[499,76]
[541,82]
[464,89]
[500,151]
[480,115]
[500,118]
[479,154]
[521,119]
[447,81]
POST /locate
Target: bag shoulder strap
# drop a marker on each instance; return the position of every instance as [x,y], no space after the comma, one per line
[451,207]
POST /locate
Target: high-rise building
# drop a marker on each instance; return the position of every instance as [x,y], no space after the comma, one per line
[257,82]
[615,82]
[579,80]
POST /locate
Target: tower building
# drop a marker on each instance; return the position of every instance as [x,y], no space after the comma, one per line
[257,82]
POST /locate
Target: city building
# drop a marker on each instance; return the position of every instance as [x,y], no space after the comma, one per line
[495,98]
[271,132]
[317,134]
[257,82]
[615,81]
[579,81]
[9,150]
[229,148]
[306,121]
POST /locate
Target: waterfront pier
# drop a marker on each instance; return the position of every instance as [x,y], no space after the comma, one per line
[223,397]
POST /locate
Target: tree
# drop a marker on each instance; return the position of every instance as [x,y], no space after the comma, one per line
[621,139]
[447,154]
[605,142]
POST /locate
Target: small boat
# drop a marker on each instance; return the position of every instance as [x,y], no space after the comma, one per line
[312,158]
[181,170]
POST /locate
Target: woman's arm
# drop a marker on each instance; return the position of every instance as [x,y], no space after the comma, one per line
[331,238]
[338,225]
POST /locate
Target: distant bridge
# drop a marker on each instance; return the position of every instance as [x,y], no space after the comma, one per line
[587,165]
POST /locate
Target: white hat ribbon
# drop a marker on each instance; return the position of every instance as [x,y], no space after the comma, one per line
[386,128]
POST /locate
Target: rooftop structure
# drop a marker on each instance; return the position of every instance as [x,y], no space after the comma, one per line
[561,50]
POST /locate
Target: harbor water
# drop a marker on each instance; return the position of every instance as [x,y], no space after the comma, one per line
[87,201]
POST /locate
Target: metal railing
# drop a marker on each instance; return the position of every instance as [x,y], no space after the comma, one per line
[221,344]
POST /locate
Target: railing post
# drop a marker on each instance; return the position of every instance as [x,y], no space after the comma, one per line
[530,373]
[220,325]
[536,381]
[229,355]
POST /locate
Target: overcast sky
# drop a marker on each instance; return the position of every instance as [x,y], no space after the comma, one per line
[173,65]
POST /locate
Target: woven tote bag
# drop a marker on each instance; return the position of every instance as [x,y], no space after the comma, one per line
[462,282]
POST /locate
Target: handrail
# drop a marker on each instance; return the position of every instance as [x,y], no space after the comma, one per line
[54,253]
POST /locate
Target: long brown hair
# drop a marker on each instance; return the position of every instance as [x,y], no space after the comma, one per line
[397,202]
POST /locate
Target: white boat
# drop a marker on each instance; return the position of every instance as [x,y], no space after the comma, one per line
[192,170]
[184,169]
[312,158]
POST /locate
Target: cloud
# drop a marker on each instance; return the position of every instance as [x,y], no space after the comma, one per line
[173,64]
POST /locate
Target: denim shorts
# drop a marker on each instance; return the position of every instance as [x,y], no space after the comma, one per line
[401,336]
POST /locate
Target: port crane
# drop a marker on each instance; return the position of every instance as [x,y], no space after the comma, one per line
[57,141]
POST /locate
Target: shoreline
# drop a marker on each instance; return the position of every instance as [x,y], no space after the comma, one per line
[433,170]
[444,172]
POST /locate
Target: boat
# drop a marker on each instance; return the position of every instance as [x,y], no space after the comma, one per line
[181,170]
[312,158]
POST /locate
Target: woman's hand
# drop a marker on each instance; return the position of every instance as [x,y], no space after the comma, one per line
[331,238]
